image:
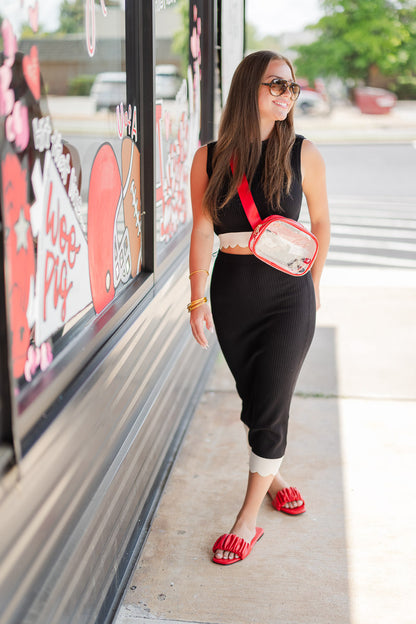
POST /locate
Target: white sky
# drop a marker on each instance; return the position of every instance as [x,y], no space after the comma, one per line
[273,17]
[269,16]
[16,12]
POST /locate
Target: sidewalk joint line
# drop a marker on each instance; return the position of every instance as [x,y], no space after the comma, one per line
[354,397]
[324,395]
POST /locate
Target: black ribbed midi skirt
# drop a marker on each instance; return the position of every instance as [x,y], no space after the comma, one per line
[265,321]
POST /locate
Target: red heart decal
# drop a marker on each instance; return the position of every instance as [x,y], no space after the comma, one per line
[31,71]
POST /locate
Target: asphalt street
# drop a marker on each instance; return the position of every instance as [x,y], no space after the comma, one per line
[372,195]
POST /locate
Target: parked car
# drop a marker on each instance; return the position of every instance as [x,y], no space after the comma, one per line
[109,89]
[168,81]
[313,100]
[374,101]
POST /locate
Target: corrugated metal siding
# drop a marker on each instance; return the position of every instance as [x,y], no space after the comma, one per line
[67,525]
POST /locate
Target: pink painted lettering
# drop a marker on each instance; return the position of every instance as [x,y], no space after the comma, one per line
[60,286]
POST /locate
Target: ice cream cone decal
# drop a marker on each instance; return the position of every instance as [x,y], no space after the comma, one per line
[130,159]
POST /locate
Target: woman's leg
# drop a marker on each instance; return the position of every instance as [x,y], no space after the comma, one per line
[270,466]
[245,524]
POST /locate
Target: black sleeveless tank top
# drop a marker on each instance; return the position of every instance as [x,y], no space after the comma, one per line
[232,217]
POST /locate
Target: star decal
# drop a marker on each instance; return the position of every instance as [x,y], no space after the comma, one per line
[21,227]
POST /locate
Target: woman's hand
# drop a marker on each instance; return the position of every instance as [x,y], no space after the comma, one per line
[201,317]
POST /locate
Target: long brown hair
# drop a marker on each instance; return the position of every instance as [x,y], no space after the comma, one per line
[239,138]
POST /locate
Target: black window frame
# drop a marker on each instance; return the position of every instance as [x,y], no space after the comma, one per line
[8,454]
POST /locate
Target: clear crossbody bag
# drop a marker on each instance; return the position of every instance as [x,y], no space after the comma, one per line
[283,243]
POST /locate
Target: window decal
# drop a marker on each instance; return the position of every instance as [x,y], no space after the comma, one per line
[19,250]
[174,172]
[90,34]
[178,116]
[130,162]
[31,72]
[34,16]
[126,120]
[62,286]
[66,253]
[114,246]
[15,112]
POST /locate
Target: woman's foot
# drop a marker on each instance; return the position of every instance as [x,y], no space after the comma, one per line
[241,529]
[279,484]
[245,524]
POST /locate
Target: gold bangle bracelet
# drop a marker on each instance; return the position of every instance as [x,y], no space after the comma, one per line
[203,299]
[198,271]
[196,304]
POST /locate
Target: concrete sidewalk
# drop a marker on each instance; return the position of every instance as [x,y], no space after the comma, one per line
[346,124]
[350,559]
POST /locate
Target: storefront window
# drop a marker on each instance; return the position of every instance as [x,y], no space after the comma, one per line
[177,89]
[70,173]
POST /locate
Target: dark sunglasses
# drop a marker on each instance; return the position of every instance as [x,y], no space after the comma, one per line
[278,86]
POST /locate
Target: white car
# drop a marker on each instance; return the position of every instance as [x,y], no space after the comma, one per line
[168,81]
[109,90]
[311,102]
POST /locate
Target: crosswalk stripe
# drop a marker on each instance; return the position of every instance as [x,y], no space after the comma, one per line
[371,231]
[355,258]
[376,231]
[379,223]
[368,243]
[376,215]
[393,200]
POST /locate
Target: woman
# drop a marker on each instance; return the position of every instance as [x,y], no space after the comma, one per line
[264,318]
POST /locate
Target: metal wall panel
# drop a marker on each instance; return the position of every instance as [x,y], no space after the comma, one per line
[69,527]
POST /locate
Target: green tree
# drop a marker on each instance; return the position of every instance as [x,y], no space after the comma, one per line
[406,81]
[357,39]
[71,18]
[27,32]
[180,43]
[251,37]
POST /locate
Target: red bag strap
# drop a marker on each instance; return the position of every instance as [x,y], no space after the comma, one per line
[247,200]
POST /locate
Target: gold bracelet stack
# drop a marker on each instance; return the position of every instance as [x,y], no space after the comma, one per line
[198,271]
[196,304]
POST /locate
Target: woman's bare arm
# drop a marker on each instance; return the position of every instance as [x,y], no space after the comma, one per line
[314,188]
[200,252]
